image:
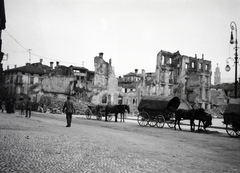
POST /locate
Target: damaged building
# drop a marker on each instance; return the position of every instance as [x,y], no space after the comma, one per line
[187,77]
[105,83]
[175,75]
[36,78]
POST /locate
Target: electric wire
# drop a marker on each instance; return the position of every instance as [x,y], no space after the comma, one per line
[27,50]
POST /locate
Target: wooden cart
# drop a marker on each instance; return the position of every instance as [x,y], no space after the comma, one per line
[157,110]
[97,110]
[231,118]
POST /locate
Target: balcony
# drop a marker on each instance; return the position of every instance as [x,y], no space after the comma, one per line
[19,82]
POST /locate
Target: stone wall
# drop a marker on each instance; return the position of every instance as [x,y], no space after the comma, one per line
[57,84]
[101,72]
[105,82]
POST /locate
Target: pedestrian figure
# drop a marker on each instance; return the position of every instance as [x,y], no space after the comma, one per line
[3,105]
[69,110]
[10,106]
[13,105]
[28,107]
[22,105]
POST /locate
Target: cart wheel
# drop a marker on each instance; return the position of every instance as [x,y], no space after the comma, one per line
[88,114]
[109,117]
[99,116]
[170,123]
[232,130]
[153,121]
[143,118]
[160,121]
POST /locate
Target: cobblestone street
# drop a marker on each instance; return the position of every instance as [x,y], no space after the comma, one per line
[43,144]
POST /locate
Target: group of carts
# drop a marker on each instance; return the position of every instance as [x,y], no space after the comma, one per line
[156,111]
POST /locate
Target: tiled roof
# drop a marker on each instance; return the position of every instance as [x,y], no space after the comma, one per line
[79,68]
[132,85]
[131,74]
[33,68]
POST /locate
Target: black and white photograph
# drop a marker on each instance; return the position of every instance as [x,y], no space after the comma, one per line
[119,86]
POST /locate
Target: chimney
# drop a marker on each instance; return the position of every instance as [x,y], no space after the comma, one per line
[136,71]
[57,63]
[51,64]
[8,67]
[110,61]
[15,66]
[100,55]
[203,56]
[196,56]
[41,60]
[143,73]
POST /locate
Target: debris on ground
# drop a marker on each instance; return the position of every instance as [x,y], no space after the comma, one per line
[54,105]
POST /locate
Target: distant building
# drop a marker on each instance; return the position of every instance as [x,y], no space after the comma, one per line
[129,81]
[175,75]
[19,79]
[217,76]
[186,77]
[37,77]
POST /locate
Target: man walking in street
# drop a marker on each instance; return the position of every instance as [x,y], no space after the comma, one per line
[28,107]
[69,110]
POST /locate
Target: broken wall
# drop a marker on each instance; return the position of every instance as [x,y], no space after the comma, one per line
[58,84]
[101,72]
[105,82]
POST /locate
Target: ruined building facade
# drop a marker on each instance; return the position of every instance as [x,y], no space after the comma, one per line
[37,78]
[175,75]
[186,77]
[19,80]
[105,90]
[189,78]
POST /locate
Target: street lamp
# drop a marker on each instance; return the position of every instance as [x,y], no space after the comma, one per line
[233,26]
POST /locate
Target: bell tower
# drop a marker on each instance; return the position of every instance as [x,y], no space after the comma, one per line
[217,76]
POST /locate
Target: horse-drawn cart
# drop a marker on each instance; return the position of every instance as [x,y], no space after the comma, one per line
[231,118]
[99,111]
[157,110]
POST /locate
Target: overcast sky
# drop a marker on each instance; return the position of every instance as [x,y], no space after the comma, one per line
[130,32]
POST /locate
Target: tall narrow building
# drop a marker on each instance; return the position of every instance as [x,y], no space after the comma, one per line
[217,76]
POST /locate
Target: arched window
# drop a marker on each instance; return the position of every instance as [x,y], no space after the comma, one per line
[120,98]
[109,99]
[104,98]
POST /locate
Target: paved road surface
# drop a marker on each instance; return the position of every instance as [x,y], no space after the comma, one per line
[43,144]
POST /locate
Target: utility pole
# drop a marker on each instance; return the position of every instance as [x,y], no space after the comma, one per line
[29,72]
[2,27]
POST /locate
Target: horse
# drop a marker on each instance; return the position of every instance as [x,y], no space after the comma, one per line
[122,109]
[116,109]
[193,114]
[206,121]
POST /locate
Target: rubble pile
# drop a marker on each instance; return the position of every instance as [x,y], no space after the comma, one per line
[55,105]
[217,112]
